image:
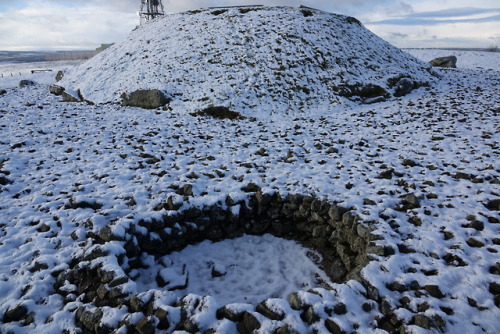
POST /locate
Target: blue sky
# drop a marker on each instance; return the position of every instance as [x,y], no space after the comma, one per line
[85,24]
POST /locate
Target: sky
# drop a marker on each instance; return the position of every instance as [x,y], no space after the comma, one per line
[28,25]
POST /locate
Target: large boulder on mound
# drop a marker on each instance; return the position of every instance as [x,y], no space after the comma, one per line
[261,59]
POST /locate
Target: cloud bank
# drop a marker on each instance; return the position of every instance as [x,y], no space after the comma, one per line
[85,24]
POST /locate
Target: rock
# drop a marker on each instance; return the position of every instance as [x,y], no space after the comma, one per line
[89,318]
[367,306]
[146,325]
[447,62]
[173,278]
[494,288]
[287,329]
[26,83]
[411,201]
[145,98]
[310,316]
[427,323]
[16,313]
[403,87]
[333,327]
[56,90]
[3,92]
[270,313]
[231,314]
[493,205]
[386,174]
[296,302]
[385,307]
[218,271]
[249,323]
[434,291]
[340,309]
[71,96]
[59,76]
[250,188]
[220,112]
[409,163]
[472,242]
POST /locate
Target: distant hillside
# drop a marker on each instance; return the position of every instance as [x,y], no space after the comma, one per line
[264,59]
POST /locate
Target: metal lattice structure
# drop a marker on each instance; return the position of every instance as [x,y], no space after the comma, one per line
[150,9]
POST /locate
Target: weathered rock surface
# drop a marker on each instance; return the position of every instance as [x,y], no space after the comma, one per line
[26,83]
[145,98]
[447,62]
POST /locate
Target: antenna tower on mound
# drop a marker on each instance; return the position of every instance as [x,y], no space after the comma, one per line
[150,9]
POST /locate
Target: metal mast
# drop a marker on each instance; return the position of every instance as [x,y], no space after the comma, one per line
[150,9]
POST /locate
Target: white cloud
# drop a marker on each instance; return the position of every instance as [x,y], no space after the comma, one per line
[84,24]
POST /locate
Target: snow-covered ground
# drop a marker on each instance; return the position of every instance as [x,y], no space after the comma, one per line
[439,143]
[466,59]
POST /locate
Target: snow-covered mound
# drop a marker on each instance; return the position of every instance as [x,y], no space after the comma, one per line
[260,59]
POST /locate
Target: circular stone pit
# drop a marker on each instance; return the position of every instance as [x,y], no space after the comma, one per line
[101,278]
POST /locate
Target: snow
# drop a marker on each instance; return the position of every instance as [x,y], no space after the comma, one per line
[52,153]
[252,268]
[265,61]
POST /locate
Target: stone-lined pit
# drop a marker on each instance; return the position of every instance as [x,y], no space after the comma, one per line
[334,231]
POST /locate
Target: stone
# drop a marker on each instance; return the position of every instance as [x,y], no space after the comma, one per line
[249,323]
[251,187]
[146,325]
[16,313]
[403,87]
[446,62]
[59,76]
[336,212]
[493,205]
[385,307]
[89,318]
[426,322]
[296,302]
[3,92]
[71,96]
[270,313]
[56,90]
[340,309]
[231,314]
[287,329]
[333,327]
[220,112]
[412,201]
[26,83]
[310,316]
[434,291]
[494,288]
[145,98]
[474,243]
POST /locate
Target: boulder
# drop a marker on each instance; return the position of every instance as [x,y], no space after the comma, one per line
[145,98]
[59,76]
[403,87]
[2,92]
[447,62]
[26,83]
[56,90]
[71,96]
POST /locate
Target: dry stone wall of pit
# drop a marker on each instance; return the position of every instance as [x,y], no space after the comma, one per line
[344,242]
